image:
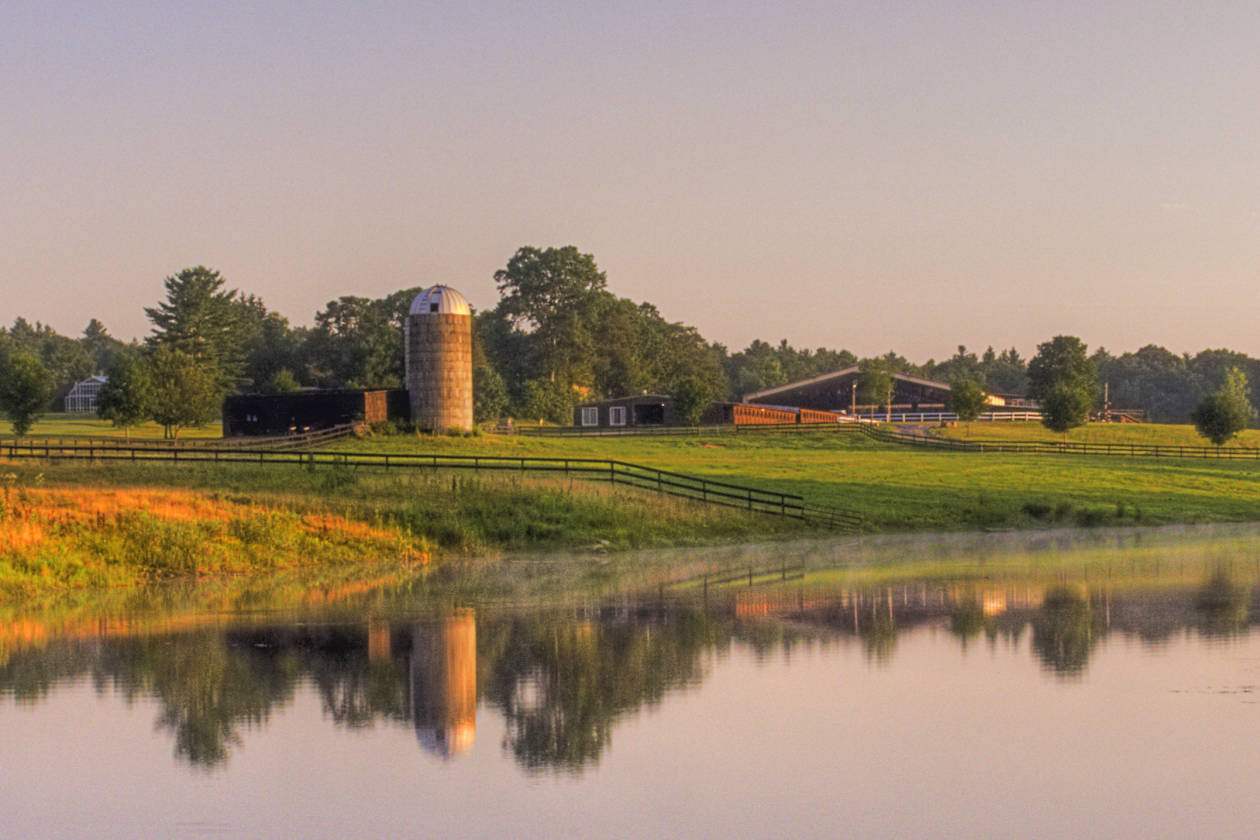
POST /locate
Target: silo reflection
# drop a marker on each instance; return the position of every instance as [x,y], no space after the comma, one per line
[444,683]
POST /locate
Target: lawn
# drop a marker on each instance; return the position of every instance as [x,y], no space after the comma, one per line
[89,425]
[1159,434]
[895,488]
[901,488]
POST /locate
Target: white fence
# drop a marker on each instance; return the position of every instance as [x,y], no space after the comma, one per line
[944,417]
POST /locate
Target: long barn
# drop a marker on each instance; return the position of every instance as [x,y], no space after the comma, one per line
[838,391]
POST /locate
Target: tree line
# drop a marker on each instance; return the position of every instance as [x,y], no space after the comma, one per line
[556,336]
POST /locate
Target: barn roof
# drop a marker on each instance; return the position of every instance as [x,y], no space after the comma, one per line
[843,373]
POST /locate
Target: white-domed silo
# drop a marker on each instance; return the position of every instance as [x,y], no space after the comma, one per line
[439,360]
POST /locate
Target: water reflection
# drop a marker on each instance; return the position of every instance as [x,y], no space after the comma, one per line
[444,683]
[1066,630]
[562,679]
[1222,604]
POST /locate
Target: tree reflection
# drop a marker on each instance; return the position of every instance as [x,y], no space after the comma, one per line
[563,684]
[1222,605]
[1065,631]
[879,637]
[967,620]
[208,691]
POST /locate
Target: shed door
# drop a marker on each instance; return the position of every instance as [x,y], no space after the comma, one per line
[648,414]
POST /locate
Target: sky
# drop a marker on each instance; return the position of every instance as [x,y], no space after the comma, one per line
[870,175]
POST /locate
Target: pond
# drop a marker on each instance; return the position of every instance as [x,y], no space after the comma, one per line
[1053,684]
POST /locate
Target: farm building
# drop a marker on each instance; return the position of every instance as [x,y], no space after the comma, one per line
[658,410]
[749,414]
[83,397]
[300,411]
[438,358]
[639,410]
[838,391]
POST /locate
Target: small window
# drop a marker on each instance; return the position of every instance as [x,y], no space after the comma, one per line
[590,416]
[617,415]
[433,307]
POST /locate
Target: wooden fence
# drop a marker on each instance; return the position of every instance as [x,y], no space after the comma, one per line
[1047,447]
[293,441]
[704,490]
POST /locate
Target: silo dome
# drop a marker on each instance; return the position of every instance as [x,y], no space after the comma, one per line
[442,300]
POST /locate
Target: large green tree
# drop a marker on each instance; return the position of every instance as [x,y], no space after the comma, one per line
[555,294]
[966,399]
[1065,381]
[64,358]
[205,321]
[1225,412]
[184,390]
[100,346]
[1151,379]
[25,388]
[357,342]
[126,399]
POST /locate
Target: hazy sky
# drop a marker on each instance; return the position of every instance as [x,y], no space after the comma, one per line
[867,175]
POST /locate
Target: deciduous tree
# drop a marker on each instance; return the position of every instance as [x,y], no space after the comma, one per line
[966,399]
[555,294]
[185,391]
[126,399]
[1064,380]
[1226,412]
[25,388]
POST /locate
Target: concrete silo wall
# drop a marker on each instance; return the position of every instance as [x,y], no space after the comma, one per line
[439,371]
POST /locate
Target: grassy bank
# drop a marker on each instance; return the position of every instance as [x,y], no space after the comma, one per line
[66,525]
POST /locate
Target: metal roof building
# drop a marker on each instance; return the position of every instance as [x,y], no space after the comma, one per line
[838,391]
[83,397]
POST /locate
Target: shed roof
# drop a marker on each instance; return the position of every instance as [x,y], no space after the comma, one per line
[626,398]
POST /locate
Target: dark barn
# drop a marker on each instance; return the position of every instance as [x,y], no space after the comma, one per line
[639,410]
[302,411]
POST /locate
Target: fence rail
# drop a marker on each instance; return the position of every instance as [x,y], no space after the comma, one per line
[844,422]
[681,431]
[1046,447]
[665,482]
[947,417]
[291,441]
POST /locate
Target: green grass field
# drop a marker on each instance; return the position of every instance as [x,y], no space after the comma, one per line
[1160,434]
[895,488]
[89,425]
[900,488]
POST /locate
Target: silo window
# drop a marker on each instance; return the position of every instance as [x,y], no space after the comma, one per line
[433,307]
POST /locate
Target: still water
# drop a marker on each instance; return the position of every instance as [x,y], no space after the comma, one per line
[1008,685]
